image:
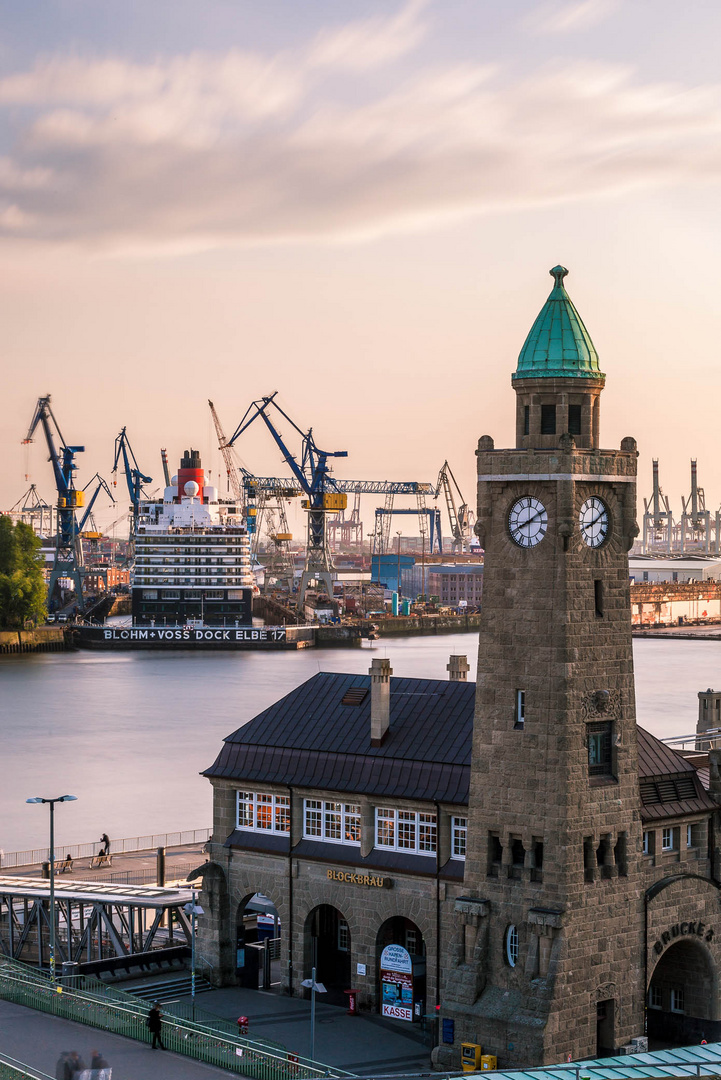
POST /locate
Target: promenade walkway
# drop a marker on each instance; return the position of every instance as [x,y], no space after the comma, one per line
[365,1044]
[37,1039]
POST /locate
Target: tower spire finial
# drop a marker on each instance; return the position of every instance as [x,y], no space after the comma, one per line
[558,273]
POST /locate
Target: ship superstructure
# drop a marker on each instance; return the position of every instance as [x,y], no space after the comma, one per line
[192,556]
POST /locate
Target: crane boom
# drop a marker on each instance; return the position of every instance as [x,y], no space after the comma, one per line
[230,467]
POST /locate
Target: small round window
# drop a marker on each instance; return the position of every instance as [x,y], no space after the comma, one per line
[512,945]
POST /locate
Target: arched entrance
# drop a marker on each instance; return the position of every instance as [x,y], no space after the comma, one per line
[682,996]
[327,949]
[257,954]
[401,970]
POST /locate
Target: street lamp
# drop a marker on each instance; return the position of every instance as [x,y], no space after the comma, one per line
[51,804]
[312,985]
[193,909]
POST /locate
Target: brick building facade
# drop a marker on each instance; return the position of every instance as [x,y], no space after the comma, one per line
[550,871]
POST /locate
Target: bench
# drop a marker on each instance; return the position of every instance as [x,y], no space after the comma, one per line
[100,860]
[65,866]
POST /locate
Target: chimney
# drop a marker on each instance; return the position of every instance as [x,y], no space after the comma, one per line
[380,672]
[458,669]
[714,776]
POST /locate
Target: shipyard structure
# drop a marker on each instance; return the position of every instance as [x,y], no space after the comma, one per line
[192,556]
[517,857]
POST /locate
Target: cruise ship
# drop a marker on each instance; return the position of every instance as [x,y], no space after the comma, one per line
[192,556]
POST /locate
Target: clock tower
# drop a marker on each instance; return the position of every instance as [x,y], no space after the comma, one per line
[547,959]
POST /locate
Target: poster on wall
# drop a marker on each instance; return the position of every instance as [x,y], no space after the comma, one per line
[396,983]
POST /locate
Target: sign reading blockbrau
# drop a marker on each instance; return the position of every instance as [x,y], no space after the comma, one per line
[684,929]
[350,878]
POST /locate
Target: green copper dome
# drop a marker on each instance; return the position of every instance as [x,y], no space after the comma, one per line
[559,345]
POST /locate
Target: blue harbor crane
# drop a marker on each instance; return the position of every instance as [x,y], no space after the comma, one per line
[68,558]
[312,475]
[134,478]
[100,486]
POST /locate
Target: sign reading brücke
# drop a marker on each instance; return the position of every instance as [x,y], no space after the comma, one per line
[349,878]
[693,928]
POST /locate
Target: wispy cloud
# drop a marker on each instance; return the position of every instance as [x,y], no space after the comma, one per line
[240,148]
[568,16]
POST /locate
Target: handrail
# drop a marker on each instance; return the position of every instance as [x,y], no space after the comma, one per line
[119,1012]
[12,1069]
[35,856]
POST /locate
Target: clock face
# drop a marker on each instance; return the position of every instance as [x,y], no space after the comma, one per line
[527,521]
[593,519]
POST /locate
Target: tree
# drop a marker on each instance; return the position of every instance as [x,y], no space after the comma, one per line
[23,593]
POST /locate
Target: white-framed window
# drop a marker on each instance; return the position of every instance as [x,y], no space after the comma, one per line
[678,1001]
[459,832]
[261,812]
[655,999]
[511,945]
[667,840]
[343,936]
[520,711]
[689,836]
[647,842]
[412,941]
[406,830]
[332,822]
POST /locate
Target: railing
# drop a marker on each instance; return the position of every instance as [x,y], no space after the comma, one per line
[173,872]
[35,856]
[11,1069]
[100,1006]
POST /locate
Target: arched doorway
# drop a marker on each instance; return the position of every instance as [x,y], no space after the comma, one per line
[257,954]
[682,996]
[401,970]
[327,939]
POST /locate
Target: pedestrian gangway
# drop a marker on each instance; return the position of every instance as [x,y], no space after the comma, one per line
[100,927]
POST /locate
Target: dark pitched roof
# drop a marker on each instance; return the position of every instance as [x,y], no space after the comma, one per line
[670,786]
[656,758]
[318,736]
[311,739]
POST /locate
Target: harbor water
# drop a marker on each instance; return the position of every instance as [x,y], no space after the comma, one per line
[129,732]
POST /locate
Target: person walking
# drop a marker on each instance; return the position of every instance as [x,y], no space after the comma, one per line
[62,1069]
[154,1023]
[98,1061]
[75,1064]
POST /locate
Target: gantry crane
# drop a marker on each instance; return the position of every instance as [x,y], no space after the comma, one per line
[133,476]
[461,517]
[695,519]
[35,512]
[312,475]
[68,558]
[657,518]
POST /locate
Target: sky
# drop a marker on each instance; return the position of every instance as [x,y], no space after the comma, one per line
[355,204]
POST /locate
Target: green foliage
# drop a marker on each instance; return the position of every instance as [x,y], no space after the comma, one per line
[23,593]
